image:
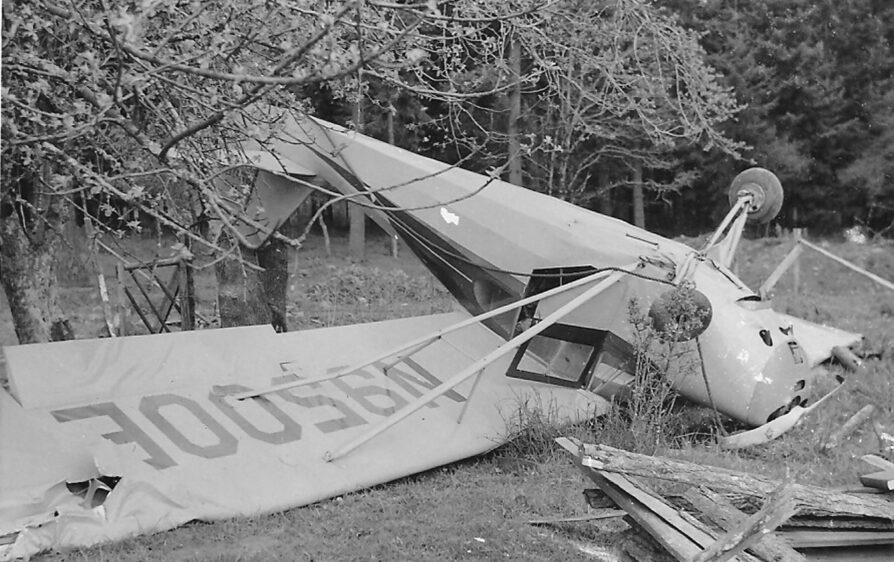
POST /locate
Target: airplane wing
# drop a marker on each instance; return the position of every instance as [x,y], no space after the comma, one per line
[105,439]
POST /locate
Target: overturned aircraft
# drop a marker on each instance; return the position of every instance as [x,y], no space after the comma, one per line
[105,439]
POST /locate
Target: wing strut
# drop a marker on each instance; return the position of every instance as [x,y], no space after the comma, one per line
[723,250]
[480,364]
[407,349]
[737,209]
[462,413]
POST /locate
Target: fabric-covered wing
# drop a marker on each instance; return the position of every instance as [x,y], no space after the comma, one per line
[104,439]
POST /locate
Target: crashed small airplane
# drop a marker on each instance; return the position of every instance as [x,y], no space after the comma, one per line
[105,439]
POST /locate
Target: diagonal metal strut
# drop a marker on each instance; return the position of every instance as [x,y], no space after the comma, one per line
[414,346]
[477,366]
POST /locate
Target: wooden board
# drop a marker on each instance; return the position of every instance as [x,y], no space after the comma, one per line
[724,514]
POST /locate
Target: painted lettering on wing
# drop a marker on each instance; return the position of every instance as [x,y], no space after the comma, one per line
[167,426]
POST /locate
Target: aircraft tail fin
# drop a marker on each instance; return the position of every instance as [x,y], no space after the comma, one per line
[818,340]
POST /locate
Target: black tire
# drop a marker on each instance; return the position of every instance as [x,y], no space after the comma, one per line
[766,191]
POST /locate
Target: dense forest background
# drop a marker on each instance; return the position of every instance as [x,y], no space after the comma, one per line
[816,85]
[813,84]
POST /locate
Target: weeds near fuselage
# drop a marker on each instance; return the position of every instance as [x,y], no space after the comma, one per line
[645,418]
[664,356]
[532,428]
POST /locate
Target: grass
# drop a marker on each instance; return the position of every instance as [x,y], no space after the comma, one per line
[477,509]
[412,519]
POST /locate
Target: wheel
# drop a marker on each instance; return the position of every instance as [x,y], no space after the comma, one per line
[766,193]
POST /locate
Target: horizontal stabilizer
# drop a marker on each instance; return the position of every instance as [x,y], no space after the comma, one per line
[818,340]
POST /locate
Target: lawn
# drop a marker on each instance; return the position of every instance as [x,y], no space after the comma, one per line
[479,508]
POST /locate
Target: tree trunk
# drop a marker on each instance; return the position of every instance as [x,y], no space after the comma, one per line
[248,295]
[273,256]
[639,211]
[71,267]
[357,232]
[338,213]
[356,215]
[515,164]
[28,261]
[604,202]
[391,110]
[239,290]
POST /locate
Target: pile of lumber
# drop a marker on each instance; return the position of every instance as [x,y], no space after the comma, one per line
[716,514]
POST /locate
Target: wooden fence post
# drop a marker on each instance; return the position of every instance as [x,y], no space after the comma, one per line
[122,305]
[187,296]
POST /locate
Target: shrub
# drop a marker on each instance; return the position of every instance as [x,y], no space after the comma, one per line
[644,420]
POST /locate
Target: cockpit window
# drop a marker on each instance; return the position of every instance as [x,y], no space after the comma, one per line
[562,355]
[550,358]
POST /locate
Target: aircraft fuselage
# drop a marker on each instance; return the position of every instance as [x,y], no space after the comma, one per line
[490,242]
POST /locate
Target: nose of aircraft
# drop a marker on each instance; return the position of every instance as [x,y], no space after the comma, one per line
[754,365]
[781,384]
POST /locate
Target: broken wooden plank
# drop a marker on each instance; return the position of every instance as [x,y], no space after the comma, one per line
[675,542]
[699,535]
[780,506]
[842,523]
[683,537]
[570,444]
[595,516]
[811,500]
[851,425]
[806,538]
[724,514]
